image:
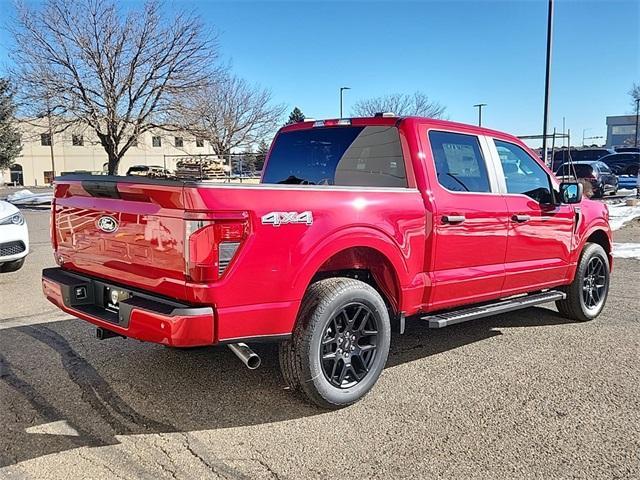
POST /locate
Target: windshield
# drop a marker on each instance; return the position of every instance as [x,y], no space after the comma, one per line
[348,156]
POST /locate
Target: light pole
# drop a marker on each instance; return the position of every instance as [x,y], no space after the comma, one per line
[342,89]
[635,143]
[584,130]
[479,107]
[547,82]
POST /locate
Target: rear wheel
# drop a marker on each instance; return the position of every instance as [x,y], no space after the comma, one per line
[598,192]
[340,344]
[12,266]
[587,294]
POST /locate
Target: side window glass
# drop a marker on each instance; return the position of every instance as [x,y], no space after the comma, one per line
[603,168]
[522,173]
[460,166]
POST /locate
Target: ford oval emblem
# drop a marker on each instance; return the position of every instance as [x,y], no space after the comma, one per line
[107,224]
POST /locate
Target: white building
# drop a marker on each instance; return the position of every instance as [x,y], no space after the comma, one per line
[79,149]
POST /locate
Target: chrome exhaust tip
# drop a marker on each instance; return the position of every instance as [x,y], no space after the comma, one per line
[250,358]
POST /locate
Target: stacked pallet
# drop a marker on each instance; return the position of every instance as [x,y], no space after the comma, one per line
[201,169]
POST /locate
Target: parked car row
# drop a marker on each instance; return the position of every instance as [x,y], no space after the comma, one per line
[597,174]
[603,169]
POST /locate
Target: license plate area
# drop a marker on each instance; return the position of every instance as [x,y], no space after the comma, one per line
[112,298]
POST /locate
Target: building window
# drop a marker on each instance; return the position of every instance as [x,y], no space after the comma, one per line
[48,177]
[77,140]
[199,142]
[156,141]
[623,130]
[45,139]
[179,142]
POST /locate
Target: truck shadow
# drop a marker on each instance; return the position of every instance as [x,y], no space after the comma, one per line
[58,373]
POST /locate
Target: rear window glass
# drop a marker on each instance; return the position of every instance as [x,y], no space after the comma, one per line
[581,170]
[346,156]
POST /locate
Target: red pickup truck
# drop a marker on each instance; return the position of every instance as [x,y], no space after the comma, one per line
[357,223]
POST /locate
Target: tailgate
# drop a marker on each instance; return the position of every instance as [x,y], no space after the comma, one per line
[130,231]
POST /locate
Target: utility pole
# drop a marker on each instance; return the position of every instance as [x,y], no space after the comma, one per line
[479,107]
[342,89]
[547,84]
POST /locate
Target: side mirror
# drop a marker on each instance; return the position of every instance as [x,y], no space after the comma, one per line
[571,192]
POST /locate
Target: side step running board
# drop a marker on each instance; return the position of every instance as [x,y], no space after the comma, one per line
[439,320]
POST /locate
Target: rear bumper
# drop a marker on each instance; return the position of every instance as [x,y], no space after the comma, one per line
[142,316]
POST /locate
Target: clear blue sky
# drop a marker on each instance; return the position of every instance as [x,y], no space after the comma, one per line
[459,53]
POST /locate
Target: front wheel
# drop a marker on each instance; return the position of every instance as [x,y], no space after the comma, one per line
[587,294]
[340,344]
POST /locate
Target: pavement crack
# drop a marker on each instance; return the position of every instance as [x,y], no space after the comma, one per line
[94,461]
[262,461]
[187,445]
[171,471]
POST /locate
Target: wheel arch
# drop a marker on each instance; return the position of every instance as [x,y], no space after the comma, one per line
[600,237]
[359,250]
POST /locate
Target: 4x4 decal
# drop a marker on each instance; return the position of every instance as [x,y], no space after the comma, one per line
[282,218]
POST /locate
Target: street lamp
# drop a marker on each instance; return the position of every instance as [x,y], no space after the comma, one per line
[342,89]
[479,107]
[635,144]
[547,80]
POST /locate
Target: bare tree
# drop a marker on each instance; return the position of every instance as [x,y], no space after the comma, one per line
[231,114]
[401,104]
[634,93]
[117,72]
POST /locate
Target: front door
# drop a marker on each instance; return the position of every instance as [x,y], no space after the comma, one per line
[470,221]
[540,231]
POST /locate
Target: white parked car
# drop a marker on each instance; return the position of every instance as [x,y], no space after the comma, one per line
[14,238]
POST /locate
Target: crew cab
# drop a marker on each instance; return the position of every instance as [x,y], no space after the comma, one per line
[357,224]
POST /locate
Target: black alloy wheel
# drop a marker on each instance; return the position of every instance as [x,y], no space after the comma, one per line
[594,284]
[349,345]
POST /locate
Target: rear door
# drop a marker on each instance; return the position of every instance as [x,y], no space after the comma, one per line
[125,232]
[540,232]
[470,221]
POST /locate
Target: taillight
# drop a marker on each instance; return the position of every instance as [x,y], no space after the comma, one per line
[210,246]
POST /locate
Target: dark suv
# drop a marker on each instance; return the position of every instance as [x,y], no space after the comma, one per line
[579,155]
[598,174]
[623,163]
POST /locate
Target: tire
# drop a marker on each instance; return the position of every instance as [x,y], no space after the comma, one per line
[576,306]
[13,266]
[330,309]
[598,192]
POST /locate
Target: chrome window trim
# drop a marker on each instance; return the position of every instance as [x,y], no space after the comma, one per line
[303,188]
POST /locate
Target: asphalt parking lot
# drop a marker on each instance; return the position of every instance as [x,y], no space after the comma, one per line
[521,395]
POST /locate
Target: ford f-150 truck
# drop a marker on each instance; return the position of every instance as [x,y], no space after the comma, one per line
[357,224]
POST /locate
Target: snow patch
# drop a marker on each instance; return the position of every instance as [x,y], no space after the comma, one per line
[621,214]
[27,197]
[626,250]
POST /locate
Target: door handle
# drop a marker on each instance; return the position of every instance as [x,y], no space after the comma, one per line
[521,218]
[451,219]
